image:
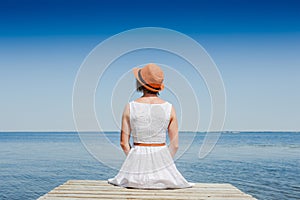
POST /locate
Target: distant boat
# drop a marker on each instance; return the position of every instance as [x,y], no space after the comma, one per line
[235,132]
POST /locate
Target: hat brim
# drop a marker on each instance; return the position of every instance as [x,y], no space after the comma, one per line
[136,72]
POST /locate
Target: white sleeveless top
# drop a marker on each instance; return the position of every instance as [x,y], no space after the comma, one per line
[149,122]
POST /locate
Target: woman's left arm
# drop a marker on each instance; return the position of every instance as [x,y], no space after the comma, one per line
[125,131]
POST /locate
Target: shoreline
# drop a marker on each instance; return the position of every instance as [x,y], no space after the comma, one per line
[198,132]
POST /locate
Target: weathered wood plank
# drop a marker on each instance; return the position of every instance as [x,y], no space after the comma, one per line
[93,189]
[146,191]
[66,187]
[94,182]
[233,193]
[148,197]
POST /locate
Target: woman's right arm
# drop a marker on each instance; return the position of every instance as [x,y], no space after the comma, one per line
[125,130]
[173,133]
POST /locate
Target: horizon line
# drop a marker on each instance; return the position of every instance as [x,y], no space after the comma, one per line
[202,131]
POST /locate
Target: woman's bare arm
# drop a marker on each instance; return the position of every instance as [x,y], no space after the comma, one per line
[125,131]
[173,133]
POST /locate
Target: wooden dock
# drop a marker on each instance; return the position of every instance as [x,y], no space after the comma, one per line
[93,189]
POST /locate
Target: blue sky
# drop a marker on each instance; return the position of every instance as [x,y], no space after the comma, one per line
[256,46]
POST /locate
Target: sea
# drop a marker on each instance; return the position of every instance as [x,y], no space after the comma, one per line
[263,164]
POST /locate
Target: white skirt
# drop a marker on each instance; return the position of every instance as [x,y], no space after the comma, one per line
[149,167]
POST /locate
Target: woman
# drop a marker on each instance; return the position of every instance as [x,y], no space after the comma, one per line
[149,163]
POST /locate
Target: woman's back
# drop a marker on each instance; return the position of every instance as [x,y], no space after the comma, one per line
[149,122]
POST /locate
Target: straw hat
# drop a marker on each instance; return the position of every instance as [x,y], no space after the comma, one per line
[151,77]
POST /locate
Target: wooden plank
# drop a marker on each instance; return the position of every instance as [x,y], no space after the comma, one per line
[234,192]
[93,189]
[131,189]
[104,189]
[146,191]
[147,197]
[93,182]
[121,188]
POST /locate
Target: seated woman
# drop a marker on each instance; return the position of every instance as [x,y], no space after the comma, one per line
[149,163]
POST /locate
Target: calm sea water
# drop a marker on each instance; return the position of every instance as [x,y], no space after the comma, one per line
[265,165]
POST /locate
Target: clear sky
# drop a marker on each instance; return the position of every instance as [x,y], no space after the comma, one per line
[255,44]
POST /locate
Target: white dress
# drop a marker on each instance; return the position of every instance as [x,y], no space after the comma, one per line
[149,167]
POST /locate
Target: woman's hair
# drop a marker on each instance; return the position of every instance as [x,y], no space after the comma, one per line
[141,88]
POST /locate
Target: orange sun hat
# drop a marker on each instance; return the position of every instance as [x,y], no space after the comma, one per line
[150,76]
